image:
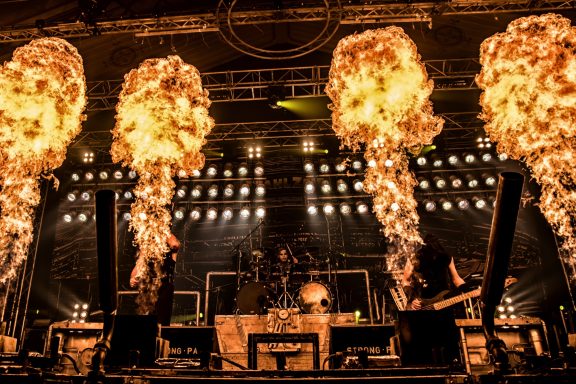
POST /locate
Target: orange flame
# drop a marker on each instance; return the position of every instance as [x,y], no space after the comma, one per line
[162,119]
[42,97]
[380,93]
[529,106]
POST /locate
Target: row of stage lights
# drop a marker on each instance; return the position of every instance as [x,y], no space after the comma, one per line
[456,182]
[459,203]
[211,171]
[345,208]
[454,160]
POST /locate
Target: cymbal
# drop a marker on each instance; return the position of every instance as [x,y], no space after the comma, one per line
[257,253]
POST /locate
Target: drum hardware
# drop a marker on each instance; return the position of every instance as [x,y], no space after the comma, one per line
[286,300]
[254,298]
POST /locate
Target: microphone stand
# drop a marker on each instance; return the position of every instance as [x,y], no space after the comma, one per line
[237,249]
[330,254]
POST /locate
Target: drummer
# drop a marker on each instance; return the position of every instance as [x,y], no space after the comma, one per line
[284,262]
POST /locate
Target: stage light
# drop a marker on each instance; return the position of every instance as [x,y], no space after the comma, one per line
[502,316]
[244,212]
[388,163]
[371,163]
[132,175]
[421,161]
[86,195]
[260,190]
[328,209]
[445,204]
[429,205]
[423,183]
[358,185]
[196,173]
[260,212]
[118,174]
[182,174]
[243,170]
[228,191]
[212,214]
[307,146]
[309,167]
[179,214]
[67,218]
[486,157]
[103,175]
[75,314]
[479,202]
[127,194]
[88,157]
[510,308]
[227,214]
[244,190]
[439,182]
[213,191]
[508,300]
[456,182]
[453,160]
[501,308]
[228,170]
[143,216]
[437,162]
[324,167]
[394,206]
[211,171]
[341,186]
[462,204]
[181,191]
[126,216]
[340,165]
[75,176]
[196,214]
[196,191]
[502,157]
[325,186]
[117,194]
[309,187]
[357,165]
[471,181]
[83,314]
[312,210]
[345,209]
[259,170]
[361,207]
[489,180]
[83,217]
[72,196]
[469,158]
[89,176]
[254,152]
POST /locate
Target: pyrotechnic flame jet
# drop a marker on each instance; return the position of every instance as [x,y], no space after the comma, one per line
[529,106]
[42,99]
[161,121]
[380,93]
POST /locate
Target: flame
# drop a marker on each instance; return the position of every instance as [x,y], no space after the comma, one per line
[380,93]
[529,105]
[42,97]
[162,119]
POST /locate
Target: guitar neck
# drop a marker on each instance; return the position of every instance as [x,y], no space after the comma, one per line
[456,299]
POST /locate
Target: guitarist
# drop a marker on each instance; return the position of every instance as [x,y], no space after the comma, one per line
[429,273]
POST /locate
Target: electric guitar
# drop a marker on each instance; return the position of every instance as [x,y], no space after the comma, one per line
[438,302]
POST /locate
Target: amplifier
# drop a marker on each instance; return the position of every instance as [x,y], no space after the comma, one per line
[373,340]
[134,341]
[190,342]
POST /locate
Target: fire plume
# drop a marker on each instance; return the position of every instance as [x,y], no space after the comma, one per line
[161,121]
[380,93]
[529,105]
[42,99]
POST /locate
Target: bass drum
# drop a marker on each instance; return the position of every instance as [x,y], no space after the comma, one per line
[314,297]
[254,298]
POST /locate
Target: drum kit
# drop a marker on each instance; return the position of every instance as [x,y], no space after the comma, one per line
[265,286]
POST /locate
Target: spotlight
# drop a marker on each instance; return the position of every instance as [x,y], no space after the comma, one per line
[254,152]
[309,167]
[328,209]
[260,190]
[453,160]
[423,183]
[132,175]
[213,191]
[456,182]
[89,176]
[228,191]
[228,170]
[309,187]
[72,196]
[83,217]
[75,176]
[227,214]
[357,165]
[126,216]
[469,158]
[196,173]
[86,195]
[181,191]
[211,171]
[67,218]
[358,185]
[196,213]
[439,182]
[182,174]
[479,202]
[445,204]
[502,157]
[103,175]
[437,162]
[118,174]
[243,170]
[429,205]
[312,210]
[196,191]
[361,207]
[179,214]
[260,212]
[340,166]
[259,170]
[324,167]
[341,186]
[244,212]
[244,190]
[372,163]
[421,161]
[471,181]
[276,95]
[462,204]
[325,186]
[307,146]
[388,163]
[489,180]
[345,209]
[212,214]
[486,157]
[88,157]
[127,195]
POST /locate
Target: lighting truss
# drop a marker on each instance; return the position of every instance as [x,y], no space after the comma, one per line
[376,12]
